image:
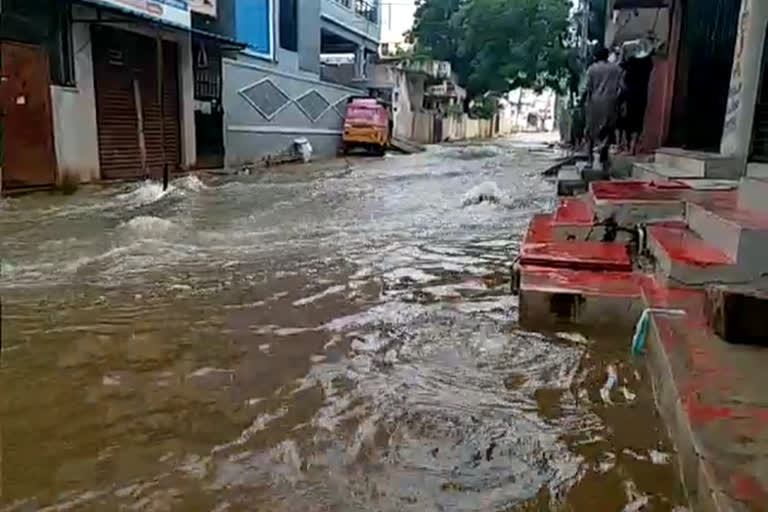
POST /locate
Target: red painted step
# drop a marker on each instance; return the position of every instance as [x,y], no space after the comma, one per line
[568,280]
[574,210]
[577,255]
[712,395]
[684,246]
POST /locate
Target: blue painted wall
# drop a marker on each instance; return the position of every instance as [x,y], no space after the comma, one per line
[253,19]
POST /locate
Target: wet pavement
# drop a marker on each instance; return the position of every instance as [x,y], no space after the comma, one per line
[325,338]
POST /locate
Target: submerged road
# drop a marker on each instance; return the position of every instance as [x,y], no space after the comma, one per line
[332,337]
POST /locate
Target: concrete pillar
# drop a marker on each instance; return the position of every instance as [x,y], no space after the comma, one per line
[77,150]
[745,79]
[187,111]
[360,63]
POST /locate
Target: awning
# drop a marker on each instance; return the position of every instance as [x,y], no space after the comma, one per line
[129,16]
[640,4]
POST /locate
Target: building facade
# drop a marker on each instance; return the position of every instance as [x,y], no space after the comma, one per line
[117,89]
[273,89]
[708,87]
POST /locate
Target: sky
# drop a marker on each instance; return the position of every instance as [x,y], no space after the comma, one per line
[396,18]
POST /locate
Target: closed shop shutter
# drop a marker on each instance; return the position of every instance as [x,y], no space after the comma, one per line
[128,110]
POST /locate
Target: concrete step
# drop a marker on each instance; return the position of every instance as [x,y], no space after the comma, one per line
[753,194]
[569,182]
[632,202]
[757,170]
[564,296]
[683,258]
[577,255]
[661,172]
[574,220]
[698,163]
[741,234]
[710,393]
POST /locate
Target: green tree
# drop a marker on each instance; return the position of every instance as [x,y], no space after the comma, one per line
[497,45]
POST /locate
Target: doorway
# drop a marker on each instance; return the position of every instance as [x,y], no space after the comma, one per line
[209,114]
[703,76]
[28,157]
[759,145]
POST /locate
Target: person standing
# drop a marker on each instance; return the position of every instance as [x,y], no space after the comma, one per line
[601,97]
[637,74]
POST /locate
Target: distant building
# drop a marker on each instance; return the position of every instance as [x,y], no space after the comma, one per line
[278,88]
[396,20]
[530,111]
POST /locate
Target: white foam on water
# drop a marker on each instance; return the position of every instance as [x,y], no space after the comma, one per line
[487,192]
[312,298]
[413,274]
[191,183]
[147,226]
[258,424]
[146,193]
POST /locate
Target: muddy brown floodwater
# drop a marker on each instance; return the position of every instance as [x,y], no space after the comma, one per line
[336,337]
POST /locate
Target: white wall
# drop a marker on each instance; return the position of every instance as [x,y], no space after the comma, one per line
[74,115]
[187,99]
[745,79]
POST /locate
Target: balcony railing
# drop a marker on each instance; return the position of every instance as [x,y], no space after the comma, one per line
[365,8]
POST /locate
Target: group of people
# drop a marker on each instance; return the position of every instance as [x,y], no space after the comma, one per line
[615,99]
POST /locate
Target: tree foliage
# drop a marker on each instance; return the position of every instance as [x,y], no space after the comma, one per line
[497,45]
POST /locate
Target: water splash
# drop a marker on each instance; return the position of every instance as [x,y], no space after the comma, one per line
[146,192]
[190,183]
[488,192]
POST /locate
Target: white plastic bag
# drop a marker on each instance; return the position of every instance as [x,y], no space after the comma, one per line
[304,148]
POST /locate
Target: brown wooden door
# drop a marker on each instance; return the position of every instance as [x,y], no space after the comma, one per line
[25,106]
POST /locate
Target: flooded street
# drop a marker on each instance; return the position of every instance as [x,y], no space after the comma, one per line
[338,337]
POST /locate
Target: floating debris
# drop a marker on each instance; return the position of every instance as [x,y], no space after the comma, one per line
[610,382]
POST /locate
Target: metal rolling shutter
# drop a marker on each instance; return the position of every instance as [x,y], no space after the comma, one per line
[115,105]
[153,130]
[125,72]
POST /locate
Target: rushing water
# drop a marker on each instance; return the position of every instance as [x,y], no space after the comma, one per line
[328,337]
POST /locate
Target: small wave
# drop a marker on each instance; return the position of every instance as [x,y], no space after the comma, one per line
[190,183]
[145,226]
[329,291]
[145,193]
[487,192]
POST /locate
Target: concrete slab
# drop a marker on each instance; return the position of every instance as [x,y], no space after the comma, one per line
[753,194]
[577,210]
[569,182]
[757,170]
[741,234]
[574,220]
[711,395]
[540,229]
[661,172]
[707,165]
[577,255]
[632,202]
[683,258]
[552,296]
[707,184]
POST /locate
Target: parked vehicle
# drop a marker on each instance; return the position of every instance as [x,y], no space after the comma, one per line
[366,126]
